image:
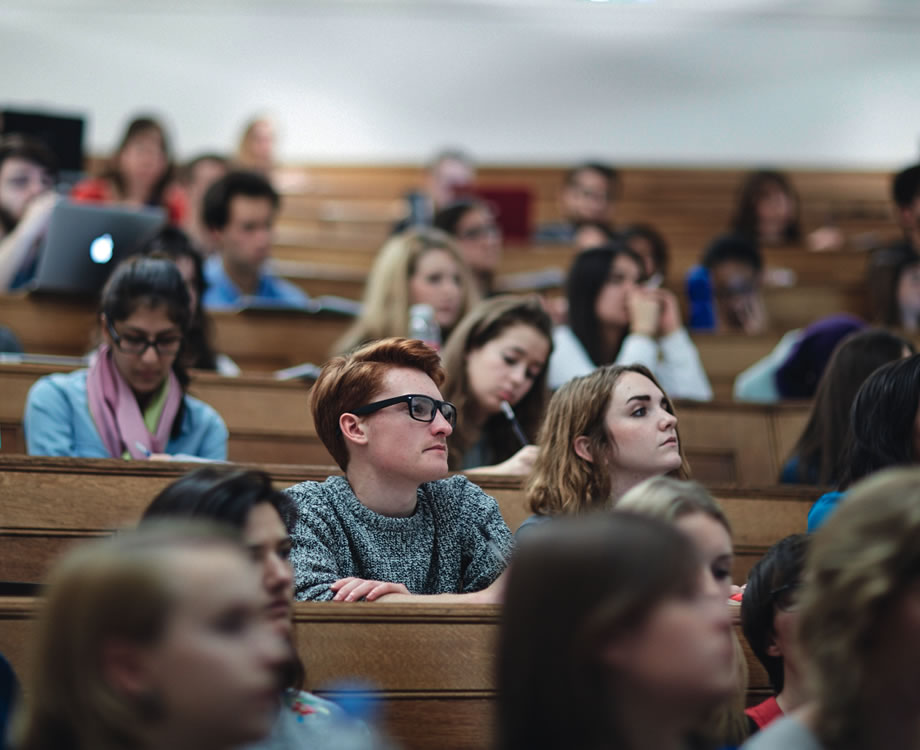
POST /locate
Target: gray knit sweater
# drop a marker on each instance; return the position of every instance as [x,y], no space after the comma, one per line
[456,541]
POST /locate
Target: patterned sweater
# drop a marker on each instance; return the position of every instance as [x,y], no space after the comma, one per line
[456,541]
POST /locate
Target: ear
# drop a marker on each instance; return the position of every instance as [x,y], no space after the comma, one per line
[127,668]
[773,648]
[353,429]
[582,447]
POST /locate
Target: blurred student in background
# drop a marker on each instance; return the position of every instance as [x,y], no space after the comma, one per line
[28,171]
[448,176]
[479,237]
[767,210]
[588,194]
[195,178]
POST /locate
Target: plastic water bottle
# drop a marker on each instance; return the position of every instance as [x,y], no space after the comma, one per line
[423,326]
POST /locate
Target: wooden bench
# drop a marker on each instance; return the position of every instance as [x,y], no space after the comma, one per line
[429,668]
[48,503]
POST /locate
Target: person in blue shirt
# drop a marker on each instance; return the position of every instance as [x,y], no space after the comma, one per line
[131,402]
[239,211]
[882,432]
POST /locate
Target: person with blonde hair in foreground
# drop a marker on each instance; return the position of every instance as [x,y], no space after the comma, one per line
[859,619]
[153,640]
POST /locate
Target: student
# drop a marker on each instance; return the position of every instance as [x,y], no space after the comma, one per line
[614,319]
[730,280]
[603,434]
[881,432]
[650,245]
[393,528]
[497,353]
[472,222]
[419,266]
[611,637]
[816,457]
[198,351]
[153,640]
[139,174]
[692,510]
[28,171]
[905,192]
[858,624]
[132,401]
[588,194]
[767,210]
[239,211]
[893,279]
[198,174]
[589,234]
[264,517]
[256,150]
[770,621]
[447,177]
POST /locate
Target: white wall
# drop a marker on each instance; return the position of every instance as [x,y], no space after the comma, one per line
[674,82]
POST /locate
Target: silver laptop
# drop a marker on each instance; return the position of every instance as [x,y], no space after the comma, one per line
[85,242]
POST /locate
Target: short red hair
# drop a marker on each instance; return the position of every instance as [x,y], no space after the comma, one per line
[348,382]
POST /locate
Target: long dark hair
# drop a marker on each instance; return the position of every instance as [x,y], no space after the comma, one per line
[589,272]
[486,321]
[228,495]
[140,126]
[171,242]
[824,439]
[576,584]
[883,277]
[881,431]
[745,220]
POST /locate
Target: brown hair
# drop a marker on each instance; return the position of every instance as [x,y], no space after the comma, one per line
[351,381]
[487,321]
[562,481]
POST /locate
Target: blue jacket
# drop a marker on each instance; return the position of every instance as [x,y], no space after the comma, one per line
[58,422]
[223,294]
[822,508]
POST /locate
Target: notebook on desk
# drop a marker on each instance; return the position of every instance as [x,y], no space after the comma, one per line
[85,242]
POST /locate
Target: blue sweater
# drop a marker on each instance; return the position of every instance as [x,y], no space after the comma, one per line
[822,508]
[58,422]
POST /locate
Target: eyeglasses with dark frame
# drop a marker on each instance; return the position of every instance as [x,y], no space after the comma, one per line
[421,408]
[131,345]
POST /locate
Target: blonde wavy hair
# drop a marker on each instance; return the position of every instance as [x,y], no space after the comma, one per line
[385,308]
[861,564]
[119,588]
[562,481]
[668,499]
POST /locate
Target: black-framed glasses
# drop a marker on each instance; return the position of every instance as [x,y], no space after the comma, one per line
[421,408]
[786,597]
[165,346]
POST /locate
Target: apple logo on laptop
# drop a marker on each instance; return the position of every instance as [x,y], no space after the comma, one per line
[101,249]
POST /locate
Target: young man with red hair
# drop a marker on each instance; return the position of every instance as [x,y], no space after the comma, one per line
[393,527]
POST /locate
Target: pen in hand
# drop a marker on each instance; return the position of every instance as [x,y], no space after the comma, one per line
[515,425]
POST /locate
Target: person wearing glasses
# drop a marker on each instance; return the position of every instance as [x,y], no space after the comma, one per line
[132,401]
[589,193]
[393,527]
[472,222]
[770,621]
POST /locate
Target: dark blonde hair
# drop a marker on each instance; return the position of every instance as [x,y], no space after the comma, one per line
[346,383]
[120,588]
[861,564]
[486,321]
[562,481]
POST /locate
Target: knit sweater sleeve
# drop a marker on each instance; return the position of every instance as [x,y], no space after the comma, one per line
[487,539]
[314,540]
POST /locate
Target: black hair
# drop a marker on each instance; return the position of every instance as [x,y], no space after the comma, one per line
[216,205]
[227,494]
[609,173]
[172,243]
[141,280]
[138,126]
[881,429]
[32,150]
[905,186]
[782,566]
[587,276]
[221,493]
[745,221]
[449,217]
[883,276]
[659,245]
[732,247]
